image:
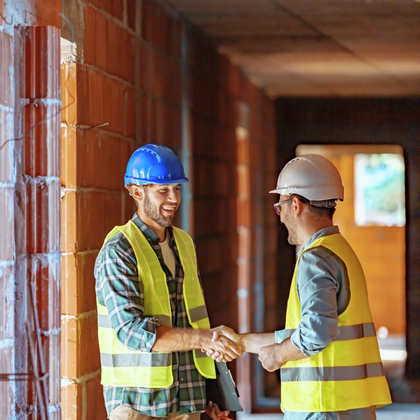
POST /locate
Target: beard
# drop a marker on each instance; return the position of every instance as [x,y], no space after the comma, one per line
[291,227]
[153,212]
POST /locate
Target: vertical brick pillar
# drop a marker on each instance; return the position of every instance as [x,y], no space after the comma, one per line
[38,199]
[7,236]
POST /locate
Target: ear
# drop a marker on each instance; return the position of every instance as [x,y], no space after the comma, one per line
[297,206]
[136,192]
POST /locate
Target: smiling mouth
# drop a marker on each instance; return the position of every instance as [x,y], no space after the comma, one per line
[169,209]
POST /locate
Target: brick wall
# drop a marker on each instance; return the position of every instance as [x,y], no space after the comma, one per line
[29,215]
[98,136]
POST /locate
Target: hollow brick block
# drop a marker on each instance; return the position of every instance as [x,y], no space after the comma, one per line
[69,157]
[131,112]
[69,93]
[80,349]
[6,134]
[7,308]
[45,271]
[78,283]
[7,224]
[101,160]
[69,222]
[88,358]
[101,212]
[131,10]
[121,52]
[72,402]
[42,221]
[96,407]
[42,62]
[42,140]
[101,101]
[5,65]
[7,394]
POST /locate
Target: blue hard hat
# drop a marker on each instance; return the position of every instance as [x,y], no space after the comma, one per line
[154,164]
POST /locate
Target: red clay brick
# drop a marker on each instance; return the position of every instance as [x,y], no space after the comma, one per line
[69,348]
[102,160]
[70,287]
[88,346]
[120,54]
[48,13]
[69,93]
[96,407]
[52,358]
[104,91]
[69,240]
[131,112]
[42,62]
[7,394]
[88,281]
[5,64]
[101,212]
[45,272]
[42,150]
[42,225]
[7,241]
[101,41]
[91,44]
[131,14]
[7,308]
[6,133]
[69,156]
[72,401]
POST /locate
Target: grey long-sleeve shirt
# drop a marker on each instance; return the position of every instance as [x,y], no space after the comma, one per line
[324,293]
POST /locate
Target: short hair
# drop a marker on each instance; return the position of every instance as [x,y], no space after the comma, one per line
[317,212]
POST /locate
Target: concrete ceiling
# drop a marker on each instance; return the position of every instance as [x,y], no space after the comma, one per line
[317,47]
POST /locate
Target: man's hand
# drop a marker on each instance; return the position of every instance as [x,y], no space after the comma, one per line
[274,356]
[269,357]
[220,334]
[214,412]
[225,345]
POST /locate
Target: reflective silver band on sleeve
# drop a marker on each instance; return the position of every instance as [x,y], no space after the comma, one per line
[326,373]
[346,332]
[136,359]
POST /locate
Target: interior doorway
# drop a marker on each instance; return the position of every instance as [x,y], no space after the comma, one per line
[377,236]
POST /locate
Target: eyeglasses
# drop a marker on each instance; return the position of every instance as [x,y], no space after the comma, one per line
[277,206]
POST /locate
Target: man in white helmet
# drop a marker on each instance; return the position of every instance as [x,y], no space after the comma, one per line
[152,318]
[328,354]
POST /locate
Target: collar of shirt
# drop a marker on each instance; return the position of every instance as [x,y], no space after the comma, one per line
[149,234]
[330,230]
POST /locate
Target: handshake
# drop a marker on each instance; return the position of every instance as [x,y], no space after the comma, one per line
[225,346]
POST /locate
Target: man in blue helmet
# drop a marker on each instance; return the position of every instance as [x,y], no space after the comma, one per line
[152,318]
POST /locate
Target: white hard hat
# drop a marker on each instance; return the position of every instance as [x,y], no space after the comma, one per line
[312,177]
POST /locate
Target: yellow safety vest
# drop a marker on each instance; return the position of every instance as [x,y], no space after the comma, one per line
[348,373]
[121,366]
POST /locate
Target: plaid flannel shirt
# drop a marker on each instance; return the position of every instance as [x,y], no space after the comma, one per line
[120,289]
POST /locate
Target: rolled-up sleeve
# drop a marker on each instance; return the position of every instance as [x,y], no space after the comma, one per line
[120,289]
[317,289]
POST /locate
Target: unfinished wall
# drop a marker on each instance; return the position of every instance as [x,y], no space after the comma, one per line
[357,121]
[29,213]
[154,78]
[98,136]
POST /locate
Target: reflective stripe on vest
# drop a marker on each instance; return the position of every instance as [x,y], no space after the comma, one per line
[124,367]
[348,373]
